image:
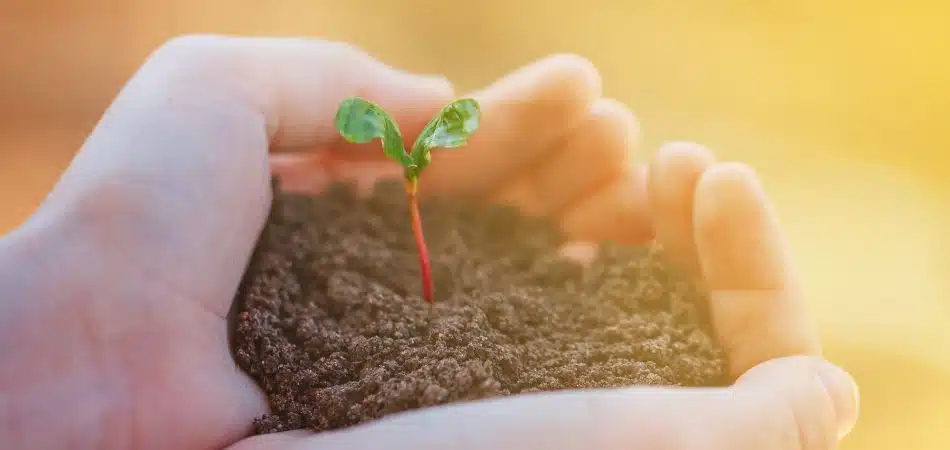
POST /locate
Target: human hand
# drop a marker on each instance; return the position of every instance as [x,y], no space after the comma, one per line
[113,327]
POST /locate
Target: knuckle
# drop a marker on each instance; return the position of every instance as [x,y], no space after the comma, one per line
[345,54]
[197,56]
[810,409]
[771,422]
[340,48]
[813,428]
[787,401]
[193,46]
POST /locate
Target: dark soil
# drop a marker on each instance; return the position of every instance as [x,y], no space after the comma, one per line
[330,322]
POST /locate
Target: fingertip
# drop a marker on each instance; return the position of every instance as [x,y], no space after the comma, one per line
[575,75]
[738,237]
[722,192]
[683,153]
[525,115]
[621,120]
[845,396]
[809,399]
[727,183]
[581,73]
[674,174]
[567,83]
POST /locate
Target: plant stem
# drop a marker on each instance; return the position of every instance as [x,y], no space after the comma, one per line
[426,268]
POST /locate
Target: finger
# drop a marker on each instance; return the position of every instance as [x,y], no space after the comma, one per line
[184,147]
[811,403]
[617,211]
[791,404]
[757,307]
[597,152]
[523,115]
[582,252]
[313,173]
[674,173]
[298,84]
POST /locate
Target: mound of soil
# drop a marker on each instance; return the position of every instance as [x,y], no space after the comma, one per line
[330,323]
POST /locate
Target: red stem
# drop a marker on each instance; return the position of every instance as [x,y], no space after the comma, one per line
[420,241]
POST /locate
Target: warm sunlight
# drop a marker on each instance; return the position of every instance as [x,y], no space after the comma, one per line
[841,106]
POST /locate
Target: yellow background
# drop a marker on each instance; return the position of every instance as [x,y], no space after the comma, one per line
[841,106]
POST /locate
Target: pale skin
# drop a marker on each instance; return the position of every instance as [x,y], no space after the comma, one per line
[114,294]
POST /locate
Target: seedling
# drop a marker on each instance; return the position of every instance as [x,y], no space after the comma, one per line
[361,121]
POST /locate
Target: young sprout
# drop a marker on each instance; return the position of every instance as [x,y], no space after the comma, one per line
[361,121]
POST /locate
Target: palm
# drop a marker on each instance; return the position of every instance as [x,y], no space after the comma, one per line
[172,265]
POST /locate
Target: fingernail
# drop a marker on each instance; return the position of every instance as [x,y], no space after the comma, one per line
[843,391]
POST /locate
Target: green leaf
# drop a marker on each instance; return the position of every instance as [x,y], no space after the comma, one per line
[361,121]
[451,128]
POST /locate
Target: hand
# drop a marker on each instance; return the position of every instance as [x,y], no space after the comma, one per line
[112,328]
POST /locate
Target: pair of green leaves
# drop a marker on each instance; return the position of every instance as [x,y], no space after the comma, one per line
[361,121]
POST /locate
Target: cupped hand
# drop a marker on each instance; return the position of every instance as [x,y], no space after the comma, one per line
[113,324]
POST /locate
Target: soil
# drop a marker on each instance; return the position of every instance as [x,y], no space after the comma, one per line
[330,323]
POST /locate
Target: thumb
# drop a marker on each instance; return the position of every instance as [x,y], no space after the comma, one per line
[794,403]
[809,402]
[174,180]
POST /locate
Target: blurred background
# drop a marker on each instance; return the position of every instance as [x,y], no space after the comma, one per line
[840,105]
